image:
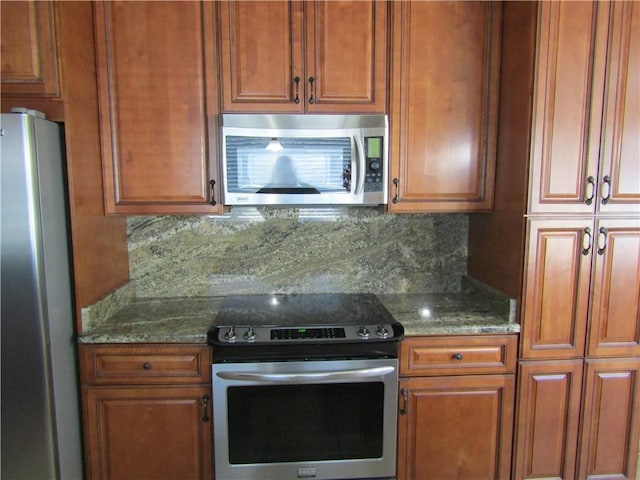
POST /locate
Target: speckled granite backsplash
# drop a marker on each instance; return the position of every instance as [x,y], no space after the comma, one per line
[271,250]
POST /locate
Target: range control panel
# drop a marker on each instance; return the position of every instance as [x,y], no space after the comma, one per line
[271,335]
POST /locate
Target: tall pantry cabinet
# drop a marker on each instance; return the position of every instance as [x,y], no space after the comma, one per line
[565,233]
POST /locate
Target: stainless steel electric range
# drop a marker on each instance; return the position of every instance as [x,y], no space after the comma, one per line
[305,386]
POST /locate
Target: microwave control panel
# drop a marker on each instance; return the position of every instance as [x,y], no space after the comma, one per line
[374,175]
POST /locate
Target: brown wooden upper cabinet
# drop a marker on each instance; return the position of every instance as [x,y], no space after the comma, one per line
[585,149]
[158,111]
[29,56]
[296,57]
[444,100]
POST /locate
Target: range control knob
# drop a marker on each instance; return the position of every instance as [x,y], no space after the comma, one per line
[250,335]
[230,335]
[363,331]
[382,331]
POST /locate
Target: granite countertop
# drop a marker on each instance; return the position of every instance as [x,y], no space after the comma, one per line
[187,319]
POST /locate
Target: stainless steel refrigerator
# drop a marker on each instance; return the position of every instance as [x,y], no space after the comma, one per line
[40,413]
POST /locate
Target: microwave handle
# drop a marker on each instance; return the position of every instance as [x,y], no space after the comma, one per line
[298,377]
[359,168]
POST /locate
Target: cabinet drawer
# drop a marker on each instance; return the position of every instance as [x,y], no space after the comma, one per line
[459,355]
[118,364]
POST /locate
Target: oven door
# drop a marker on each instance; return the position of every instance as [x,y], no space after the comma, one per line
[308,419]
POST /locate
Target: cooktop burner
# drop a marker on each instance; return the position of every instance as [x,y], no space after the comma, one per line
[304,326]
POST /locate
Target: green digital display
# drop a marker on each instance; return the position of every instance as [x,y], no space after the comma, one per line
[302,330]
[374,147]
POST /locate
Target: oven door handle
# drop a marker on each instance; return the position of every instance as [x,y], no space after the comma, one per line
[297,377]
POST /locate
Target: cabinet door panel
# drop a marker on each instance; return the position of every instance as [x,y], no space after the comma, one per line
[29,50]
[262,54]
[556,288]
[620,160]
[155,79]
[609,438]
[561,162]
[443,108]
[147,432]
[547,419]
[346,56]
[434,437]
[615,304]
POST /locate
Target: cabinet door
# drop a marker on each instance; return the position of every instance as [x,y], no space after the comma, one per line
[149,432]
[620,160]
[262,50]
[547,419]
[156,94]
[610,431]
[556,288]
[30,71]
[614,328]
[456,427]
[29,59]
[446,59]
[564,157]
[346,55]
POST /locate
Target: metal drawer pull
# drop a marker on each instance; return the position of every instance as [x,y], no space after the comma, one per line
[146,366]
[457,356]
[312,99]
[602,235]
[405,398]
[590,190]
[212,183]
[297,99]
[205,408]
[606,194]
[396,182]
[296,377]
[586,241]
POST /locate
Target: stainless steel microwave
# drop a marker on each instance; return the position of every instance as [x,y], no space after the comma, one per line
[304,160]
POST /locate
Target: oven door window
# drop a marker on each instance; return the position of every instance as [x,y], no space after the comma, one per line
[289,423]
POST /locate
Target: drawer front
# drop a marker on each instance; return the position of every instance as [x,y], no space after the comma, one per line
[458,355]
[145,364]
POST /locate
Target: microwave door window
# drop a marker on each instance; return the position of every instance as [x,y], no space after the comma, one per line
[298,166]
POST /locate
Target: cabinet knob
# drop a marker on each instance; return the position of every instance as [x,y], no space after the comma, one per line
[457,356]
[146,366]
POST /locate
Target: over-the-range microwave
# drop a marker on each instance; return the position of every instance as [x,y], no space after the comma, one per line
[304,160]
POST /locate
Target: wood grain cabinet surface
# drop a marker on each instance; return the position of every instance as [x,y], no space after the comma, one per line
[582,289]
[456,426]
[158,106]
[585,149]
[444,99]
[296,57]
[30,58]
[147,411]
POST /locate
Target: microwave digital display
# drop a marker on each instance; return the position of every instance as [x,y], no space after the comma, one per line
[374,147]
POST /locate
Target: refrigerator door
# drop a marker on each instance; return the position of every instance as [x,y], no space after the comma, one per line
[39,406]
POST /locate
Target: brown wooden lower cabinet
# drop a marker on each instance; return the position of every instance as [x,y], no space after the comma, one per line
[611,419]
[547,419]
[570,428]
[161,432]
[456,427]
[147,411]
